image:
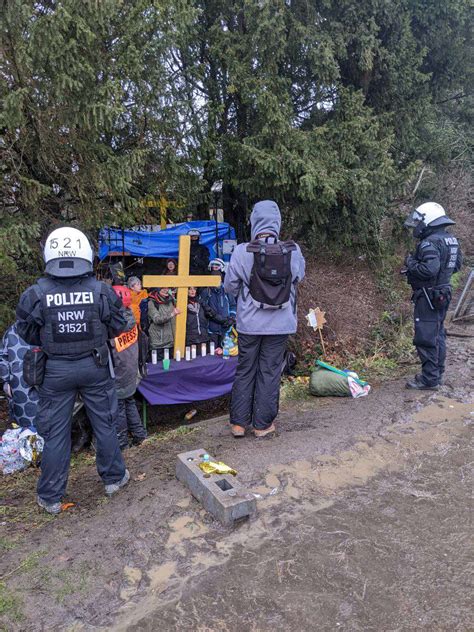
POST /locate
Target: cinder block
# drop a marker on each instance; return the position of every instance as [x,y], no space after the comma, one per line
[221,495]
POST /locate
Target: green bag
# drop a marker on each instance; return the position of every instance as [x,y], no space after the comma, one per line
[324,383]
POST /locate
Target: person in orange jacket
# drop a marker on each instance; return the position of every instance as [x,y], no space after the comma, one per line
[138,295]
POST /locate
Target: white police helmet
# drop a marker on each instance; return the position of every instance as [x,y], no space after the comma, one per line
[427,214]
[67,253]
[217,263]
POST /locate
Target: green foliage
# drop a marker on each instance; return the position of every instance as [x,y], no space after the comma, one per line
[328,107]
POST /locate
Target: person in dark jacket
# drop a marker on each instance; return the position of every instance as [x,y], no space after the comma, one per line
[220,302]
[429,269]
[125,355]
[71,316]
[197,321]
[199,255]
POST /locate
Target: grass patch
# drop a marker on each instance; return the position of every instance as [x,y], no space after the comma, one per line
[168,435]
[7,545]
[30,562]
[71,581]
[26,513]
[83,458]
[296,389]
[10,606]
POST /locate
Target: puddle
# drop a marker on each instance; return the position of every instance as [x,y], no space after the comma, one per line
[443,409]
[160,576]
[185,528]
[133,577]
[184,503]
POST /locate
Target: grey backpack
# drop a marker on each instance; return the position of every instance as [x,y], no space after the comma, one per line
[271,278]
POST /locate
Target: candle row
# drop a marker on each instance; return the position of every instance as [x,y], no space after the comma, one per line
[190,352]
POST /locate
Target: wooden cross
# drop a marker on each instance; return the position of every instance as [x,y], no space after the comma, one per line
[183,280]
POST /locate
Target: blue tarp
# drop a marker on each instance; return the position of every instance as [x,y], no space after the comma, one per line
[162,243]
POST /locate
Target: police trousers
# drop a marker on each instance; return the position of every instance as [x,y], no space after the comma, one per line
[256,389]
[430,340]
[64,379]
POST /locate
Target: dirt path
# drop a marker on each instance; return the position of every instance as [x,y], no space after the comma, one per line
[363,524]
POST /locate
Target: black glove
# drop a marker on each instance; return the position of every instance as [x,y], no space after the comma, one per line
[410,261]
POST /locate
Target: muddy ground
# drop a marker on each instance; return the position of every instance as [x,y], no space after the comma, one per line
[364,523]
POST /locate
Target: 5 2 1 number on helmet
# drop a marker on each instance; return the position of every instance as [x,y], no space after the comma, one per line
[54,243]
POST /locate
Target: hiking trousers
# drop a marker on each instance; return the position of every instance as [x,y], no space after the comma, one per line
[256,389]
[63,380]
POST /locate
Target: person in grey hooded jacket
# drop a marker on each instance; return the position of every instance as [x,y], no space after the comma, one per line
[263,333]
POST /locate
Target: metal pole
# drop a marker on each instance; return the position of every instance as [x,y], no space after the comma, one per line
[217,224]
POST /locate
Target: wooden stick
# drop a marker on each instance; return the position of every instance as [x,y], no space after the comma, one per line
[322,342]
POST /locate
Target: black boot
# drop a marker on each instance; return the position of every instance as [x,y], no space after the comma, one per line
[419,385]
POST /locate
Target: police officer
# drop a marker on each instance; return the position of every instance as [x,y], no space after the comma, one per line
[71,316]
[428,272]
[199,255]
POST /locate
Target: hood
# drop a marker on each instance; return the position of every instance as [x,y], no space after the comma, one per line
[265,218]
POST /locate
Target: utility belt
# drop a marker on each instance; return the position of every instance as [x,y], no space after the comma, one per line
[34,363]
[437,297]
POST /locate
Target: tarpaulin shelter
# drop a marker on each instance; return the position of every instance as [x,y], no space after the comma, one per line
[145,242]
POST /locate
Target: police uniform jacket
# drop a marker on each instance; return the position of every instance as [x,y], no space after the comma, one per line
[436,258]
[69,317]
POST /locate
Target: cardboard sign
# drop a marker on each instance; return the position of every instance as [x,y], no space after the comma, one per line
[127,339]
[228,246]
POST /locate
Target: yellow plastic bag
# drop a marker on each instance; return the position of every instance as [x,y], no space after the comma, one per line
[211,467]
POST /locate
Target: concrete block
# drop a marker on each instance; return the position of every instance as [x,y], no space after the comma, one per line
[221,495]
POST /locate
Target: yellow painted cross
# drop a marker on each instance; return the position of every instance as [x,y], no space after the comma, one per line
[183,280]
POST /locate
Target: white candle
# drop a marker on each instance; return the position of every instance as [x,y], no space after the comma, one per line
[178,355]
[193,352]
[212,348]
[167,354]
[188,354]
[154,356]
[203,349]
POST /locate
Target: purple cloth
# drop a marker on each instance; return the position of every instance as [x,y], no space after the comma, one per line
[202,378]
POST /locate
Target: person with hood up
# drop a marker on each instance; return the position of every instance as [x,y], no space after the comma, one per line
[222,303]
[162,312]
[429,269]
[138,294]
[125,357]
[199,255]
[263,276]
[198,317]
